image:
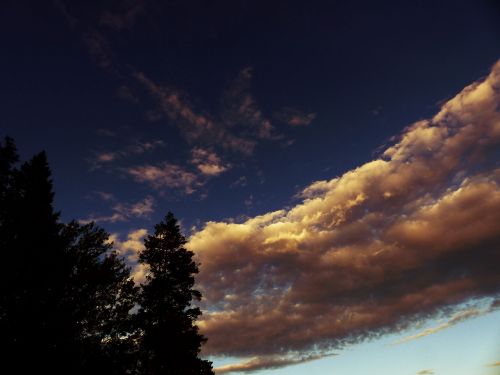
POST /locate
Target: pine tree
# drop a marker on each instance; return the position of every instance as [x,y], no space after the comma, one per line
[67,298]
[65,295]
[29,232]
[8,160]
[170,342]
[98,297]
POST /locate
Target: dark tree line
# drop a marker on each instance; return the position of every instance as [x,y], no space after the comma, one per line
[68,303]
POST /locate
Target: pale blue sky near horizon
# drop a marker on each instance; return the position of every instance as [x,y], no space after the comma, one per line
[467,348]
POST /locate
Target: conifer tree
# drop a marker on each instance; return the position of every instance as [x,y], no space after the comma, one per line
[170,342]
[67,299]
[8,289]
[29,247]
[99,295]
[65,295]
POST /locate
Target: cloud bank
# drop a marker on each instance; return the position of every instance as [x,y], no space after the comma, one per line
[373,251]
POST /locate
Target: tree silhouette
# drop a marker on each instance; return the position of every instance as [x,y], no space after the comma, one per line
[29,229]
[170,342]
[68,304]
[99,295]
[65,295]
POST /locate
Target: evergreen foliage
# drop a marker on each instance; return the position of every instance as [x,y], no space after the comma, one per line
[170,342]
[68,304]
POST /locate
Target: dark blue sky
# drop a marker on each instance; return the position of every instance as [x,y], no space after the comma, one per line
[220,111]
[364,70]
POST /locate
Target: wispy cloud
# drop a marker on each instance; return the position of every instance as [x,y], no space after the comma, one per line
[125,17]
[269,362]
[241,181]
[105,133]
[426,372]
[458,317]
[197,127]
[124,211]
[106,158]
[99,49]
[372,251]
[295,117]
[166,176]
[494,364]
[207,164]
[124,92]
[240,108]
[233,130]
[105,196]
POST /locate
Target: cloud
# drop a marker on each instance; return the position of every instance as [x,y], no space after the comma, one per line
[105,196]
[141,147]
[124,211]
[101,159]
[99,49]
[458,317]
[241,181]
[495,364]
[295,117]
[123,18]
[207,162]
[130,249]
[196,127]
[141,209]
[61,7]
[240,108]
[425,372]
[106,157]
[239,127]
[166,176]
[124,92]
[207,165]
[268,362]
[376,250]
[105,133]
[249,201]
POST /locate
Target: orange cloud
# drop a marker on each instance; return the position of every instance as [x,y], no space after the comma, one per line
[207,162]
[373,251]
[130,249]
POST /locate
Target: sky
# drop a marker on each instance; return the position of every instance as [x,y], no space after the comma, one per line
[334,165]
